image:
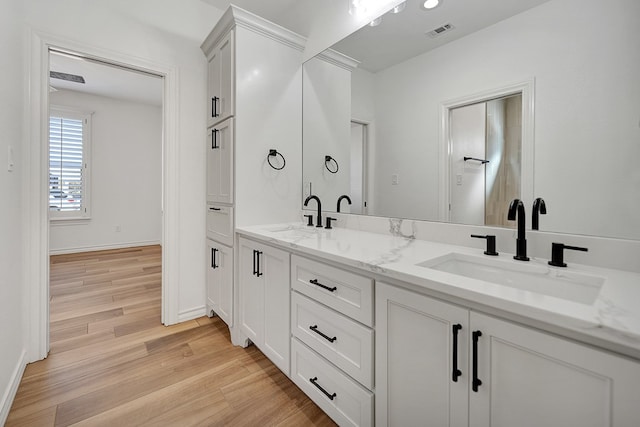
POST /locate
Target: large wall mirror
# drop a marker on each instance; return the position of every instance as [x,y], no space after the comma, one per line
[551,87]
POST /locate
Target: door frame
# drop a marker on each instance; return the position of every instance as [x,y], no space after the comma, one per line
[527,89]
[36,222]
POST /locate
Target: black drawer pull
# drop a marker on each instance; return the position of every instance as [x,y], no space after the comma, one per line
[476,381]
[455,372]
[214,139]
[314,328]
[315,282]
[258,272]
[215,209]
[254,262]
[213,258]
[326,393]
[214,106]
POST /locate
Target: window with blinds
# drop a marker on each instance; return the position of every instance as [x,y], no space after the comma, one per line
[68,164]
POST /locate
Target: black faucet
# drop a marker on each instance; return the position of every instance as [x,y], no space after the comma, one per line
[344,196]
[517,206]
[319,217]
[539,207]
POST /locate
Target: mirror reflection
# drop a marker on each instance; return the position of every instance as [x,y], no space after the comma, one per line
[384,103]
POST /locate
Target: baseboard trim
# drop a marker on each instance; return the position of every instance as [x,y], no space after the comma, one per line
[102,247]
[192,313]
[12,388]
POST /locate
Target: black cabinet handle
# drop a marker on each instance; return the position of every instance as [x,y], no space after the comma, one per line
[476,381]
[326,393]
[254,262]
[214,139]
[214,106]
[315,282]
[314,328]
[215,209]
[258,272]
[455,372]
[213,258]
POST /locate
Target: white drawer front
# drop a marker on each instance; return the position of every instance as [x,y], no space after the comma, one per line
[346,343]
[348,293]
[220,224]
[352,404]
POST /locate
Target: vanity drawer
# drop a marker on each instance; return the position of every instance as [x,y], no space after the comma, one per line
[352,404]
[220,224]
[345,343]
[346,292]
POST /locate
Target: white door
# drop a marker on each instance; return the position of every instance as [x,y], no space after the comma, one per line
[213,87]
[273,264]
[531,379]
[227,72]
[250,293]
[213,288]
[415,360]
[220,162]
[467,177]
[224,269]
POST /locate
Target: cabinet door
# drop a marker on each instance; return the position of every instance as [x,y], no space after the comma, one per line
[415,360]
[274,265]
[221,85]
[530,378]
[220,163]
[220,280]
[250,294]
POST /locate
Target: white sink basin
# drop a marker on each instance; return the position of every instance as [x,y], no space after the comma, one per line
[556,282]
[289,231]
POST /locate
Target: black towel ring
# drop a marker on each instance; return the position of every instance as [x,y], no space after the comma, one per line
[328,159]
[274,153]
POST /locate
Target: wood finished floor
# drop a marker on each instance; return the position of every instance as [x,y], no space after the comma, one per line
[112,363]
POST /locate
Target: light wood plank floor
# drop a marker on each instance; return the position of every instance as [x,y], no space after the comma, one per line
[112,363]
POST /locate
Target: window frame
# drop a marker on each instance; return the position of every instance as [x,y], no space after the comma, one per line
[85,208]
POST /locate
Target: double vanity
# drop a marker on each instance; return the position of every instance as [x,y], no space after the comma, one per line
[406,332]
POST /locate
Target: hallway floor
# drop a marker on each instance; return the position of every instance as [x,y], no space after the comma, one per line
[113,363]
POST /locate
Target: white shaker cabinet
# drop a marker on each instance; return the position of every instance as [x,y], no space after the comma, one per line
[221,79]
[531,378]
[415,360]
[510,375]
[220,143]
[264,299]
[220,281]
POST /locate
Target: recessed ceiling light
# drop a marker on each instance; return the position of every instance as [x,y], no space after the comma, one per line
[430,4]
[376,22]
[399,8]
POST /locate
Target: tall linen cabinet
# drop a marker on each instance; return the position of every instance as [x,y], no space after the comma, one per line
[254,104]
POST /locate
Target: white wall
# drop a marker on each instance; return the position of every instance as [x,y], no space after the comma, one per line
[555,43]
[126,175]
[165,32]
[12,289]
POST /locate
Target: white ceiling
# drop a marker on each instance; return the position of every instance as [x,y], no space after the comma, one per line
[402,36]
[399,37]
[105,80]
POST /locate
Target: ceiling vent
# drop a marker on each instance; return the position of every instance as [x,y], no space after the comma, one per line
[437,32]
[68,77]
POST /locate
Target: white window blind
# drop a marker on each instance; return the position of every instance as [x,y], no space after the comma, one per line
[68,165]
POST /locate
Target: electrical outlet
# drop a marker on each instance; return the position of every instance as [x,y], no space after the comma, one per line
[395,179]
[118,229]
[10,161]
[458,179]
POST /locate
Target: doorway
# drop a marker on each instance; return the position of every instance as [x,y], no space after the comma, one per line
[485,160]
[358,166]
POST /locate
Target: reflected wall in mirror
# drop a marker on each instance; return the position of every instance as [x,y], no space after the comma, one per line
[582,56]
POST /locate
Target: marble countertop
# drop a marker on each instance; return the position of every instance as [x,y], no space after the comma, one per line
[610,318]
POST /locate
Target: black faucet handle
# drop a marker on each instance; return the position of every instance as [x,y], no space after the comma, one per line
[329,219]
[557,253]
[309,220]
[491,243]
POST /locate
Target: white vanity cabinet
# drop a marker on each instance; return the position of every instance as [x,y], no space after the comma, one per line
[221,80]
[220,281]
[332,339]
[220,142]
[264,299]
[523,376]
